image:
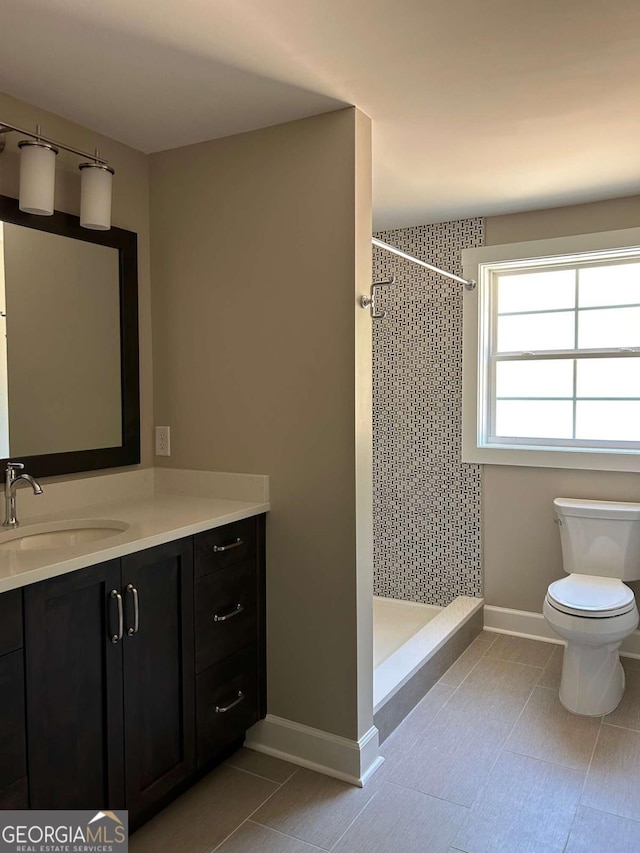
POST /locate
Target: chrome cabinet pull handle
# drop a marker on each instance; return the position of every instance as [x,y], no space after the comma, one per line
[229,615]
[136,610]
[218,549]
[222,709]
[115,638]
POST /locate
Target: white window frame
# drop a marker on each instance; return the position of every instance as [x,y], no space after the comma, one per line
[481,265]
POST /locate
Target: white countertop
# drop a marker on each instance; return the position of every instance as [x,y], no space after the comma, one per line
[152,520]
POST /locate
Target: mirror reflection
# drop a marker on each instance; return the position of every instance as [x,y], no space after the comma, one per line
[60,353]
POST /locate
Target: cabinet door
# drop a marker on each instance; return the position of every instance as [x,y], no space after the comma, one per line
[74,691]
[13,751]
[159,677]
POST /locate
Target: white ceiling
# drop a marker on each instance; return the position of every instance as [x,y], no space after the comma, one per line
[478,106]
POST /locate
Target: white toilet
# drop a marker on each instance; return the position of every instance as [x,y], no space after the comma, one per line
[592,609]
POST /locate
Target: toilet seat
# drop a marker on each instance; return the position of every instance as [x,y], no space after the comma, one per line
[590,597]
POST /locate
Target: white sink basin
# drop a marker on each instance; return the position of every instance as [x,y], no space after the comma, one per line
[59,534]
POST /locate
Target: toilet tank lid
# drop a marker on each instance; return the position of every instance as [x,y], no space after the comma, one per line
[597,509]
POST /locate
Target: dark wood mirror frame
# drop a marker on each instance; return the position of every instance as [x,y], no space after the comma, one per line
[126,242]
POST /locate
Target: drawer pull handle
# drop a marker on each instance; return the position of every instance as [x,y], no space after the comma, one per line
[218,549]
[115,638]
[225,616]
[136,610]
[222,709]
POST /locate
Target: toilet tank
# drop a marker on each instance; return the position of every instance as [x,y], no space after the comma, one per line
[599,537]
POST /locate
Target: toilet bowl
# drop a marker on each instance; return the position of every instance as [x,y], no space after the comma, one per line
[592,609]
[592,681]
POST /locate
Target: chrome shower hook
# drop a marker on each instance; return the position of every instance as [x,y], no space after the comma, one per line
[370,301]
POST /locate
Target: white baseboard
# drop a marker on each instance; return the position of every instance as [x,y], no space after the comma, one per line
[533,626]
[352,761]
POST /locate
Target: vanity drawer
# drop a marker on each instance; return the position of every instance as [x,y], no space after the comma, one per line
[224,546]
[226,613]
[13,752]
[231,685]
[10,621]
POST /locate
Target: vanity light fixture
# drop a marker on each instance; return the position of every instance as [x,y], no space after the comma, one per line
[38,174]
[95,195]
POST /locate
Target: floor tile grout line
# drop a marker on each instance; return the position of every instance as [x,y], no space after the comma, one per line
[457,686]
[249,816]
[541,667]
[259,776]
[370,800]
[619,726]
[546,667]
[418,791]
[611,814]
[544,761]
[584,783]
[429,723]
[304,841]
[415,708]
[285,835]
[593,752]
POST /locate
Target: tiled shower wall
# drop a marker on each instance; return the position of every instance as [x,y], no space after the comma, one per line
[427,533]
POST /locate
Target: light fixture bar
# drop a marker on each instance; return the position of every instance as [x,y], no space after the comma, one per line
[7,128]
[468,283]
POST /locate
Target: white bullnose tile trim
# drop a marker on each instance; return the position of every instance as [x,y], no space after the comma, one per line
[352,761]
[533,626]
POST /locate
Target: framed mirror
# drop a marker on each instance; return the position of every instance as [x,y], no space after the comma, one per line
[69,376]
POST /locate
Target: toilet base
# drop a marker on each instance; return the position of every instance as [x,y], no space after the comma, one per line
[593,679]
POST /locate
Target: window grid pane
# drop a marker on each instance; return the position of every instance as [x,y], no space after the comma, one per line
[610,395]
[609,285]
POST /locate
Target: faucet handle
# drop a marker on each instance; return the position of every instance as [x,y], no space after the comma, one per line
[15,466]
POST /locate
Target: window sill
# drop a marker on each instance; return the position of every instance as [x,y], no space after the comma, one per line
[547,457]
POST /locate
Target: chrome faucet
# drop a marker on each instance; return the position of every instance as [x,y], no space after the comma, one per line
[11,483]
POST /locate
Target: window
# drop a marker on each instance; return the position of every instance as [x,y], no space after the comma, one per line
[552,353]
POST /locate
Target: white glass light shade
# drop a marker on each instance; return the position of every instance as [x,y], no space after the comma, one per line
[37,177]
[95,200]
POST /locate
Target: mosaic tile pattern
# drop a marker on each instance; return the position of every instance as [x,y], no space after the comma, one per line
[427,533]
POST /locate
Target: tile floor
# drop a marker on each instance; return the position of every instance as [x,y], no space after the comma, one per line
[489,762]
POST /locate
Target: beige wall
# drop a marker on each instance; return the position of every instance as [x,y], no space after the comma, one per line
[258,242]
[130,210]
[521,543]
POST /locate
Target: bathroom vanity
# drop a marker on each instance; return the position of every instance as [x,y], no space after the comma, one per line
[123,679]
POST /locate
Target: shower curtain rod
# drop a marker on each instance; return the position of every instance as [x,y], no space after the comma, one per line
[469,283]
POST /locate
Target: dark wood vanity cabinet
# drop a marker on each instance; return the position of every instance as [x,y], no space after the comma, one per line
[13,751]
[138,677]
